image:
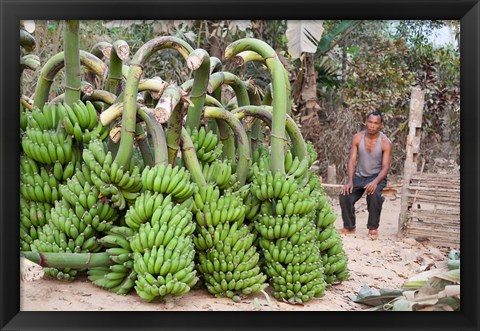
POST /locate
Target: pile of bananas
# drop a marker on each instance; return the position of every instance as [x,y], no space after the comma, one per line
[49,160]
[288,233]
[228,260]
[82,123]
[119,277]
[162,246]
[161,229]
[207,146]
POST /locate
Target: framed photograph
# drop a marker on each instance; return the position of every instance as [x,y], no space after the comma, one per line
[120,14]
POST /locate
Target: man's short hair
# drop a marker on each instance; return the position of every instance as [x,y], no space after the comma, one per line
[376,113]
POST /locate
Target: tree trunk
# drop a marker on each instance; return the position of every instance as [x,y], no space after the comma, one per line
[309,101]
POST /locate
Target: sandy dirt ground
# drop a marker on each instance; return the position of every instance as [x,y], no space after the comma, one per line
[384,263]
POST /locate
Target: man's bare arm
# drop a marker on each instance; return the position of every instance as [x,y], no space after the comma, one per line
[352,162]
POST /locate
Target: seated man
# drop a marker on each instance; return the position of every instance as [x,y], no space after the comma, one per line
[370,157]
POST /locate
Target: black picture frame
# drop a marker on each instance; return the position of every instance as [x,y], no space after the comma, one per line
[468,11]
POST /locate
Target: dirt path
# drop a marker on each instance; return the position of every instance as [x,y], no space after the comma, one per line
[385,263]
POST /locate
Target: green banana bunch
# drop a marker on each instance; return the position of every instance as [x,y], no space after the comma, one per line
[228,208]
[80,229]
[326,216]
[207,146]
[23,118]
[33,215]
[230,266]
[81,122]
[145,206]
[166,269]
[120,185]
[219,172]
[52,240]
[295,269]
[86,202]
[166,179]
[162,244]
[116,278]
[48,118]
[335,260]
[119,277]
[39,187]
[296,168]
[228,259]
[312,153]
[47,146]
[160,235]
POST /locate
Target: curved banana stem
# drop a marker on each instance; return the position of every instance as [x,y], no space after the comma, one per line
[69,260]
[53,66]
[85,87]
[169,108]
[215,83]
[215,64]
[158,135]
[102,50]
[190,158]
[255,100]
[240,135]
[280,101]
[299,147]
[267,95]
[168,101]
[144,145]
[140,137]
[219,78]
[130,96]
[120,53]
[101,95]
[199,62]
[27,41]
[72,62]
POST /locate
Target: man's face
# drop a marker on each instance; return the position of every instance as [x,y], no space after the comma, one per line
[374,124]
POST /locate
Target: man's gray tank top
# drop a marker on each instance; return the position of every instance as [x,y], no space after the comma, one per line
[369,163]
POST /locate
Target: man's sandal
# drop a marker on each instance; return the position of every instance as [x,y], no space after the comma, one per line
[347,231]
[373,234]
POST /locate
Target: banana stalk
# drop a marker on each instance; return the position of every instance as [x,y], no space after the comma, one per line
[100,95]
[130,96]
[299,147]
[69,260]
[214,86]
[27,41]
[191,161]
[240,135]
[174,133]
[215,64]
[53,66]
[120,53]
[158,135]
[199,62]
[280,101]
[168,102]
[219,78]
[143,145]
[255,100]
[72,62]
[102,50]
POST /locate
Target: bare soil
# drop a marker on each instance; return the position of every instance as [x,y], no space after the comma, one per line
[384,263]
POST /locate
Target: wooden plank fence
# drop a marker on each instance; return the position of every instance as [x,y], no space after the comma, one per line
[433,209]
